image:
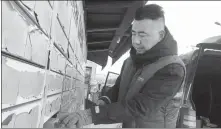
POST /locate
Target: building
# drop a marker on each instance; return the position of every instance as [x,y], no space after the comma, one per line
[43,60]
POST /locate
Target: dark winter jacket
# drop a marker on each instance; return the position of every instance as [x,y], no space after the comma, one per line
[154,104]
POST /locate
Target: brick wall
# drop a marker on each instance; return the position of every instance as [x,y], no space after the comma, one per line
[43,60]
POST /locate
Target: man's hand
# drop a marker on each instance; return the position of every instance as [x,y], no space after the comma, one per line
[72,121]
[100,102]
[76,119]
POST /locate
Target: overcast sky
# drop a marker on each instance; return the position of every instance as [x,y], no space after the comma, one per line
[189,22]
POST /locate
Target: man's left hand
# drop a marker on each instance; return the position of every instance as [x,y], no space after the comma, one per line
[100,102]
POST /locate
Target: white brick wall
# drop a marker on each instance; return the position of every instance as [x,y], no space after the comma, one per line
[33,92]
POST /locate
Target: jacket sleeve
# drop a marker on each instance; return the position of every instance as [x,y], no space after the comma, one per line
[155,93]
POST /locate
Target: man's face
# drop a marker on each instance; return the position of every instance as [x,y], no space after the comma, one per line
[145,34]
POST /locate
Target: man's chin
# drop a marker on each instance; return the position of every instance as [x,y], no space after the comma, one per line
[140,52]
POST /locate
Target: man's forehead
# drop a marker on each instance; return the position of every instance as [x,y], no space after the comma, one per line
[147,24]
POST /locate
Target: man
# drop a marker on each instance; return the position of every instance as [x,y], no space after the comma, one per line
[148,92]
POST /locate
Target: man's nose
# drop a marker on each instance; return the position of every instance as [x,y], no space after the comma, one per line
[136,40]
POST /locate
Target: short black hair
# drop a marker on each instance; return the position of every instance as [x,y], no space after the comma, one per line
[151,11]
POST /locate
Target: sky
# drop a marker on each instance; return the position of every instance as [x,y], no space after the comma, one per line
[189,22]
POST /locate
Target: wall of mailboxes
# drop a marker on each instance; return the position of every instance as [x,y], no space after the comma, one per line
[43,60]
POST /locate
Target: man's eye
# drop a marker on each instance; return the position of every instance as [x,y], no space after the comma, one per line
[143,35]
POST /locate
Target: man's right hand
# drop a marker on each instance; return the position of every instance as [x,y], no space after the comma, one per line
[68,120]
[75,120]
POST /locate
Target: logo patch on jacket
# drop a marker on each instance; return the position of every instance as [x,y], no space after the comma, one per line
[140,79]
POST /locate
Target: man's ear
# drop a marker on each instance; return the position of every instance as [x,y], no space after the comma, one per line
[162,34]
